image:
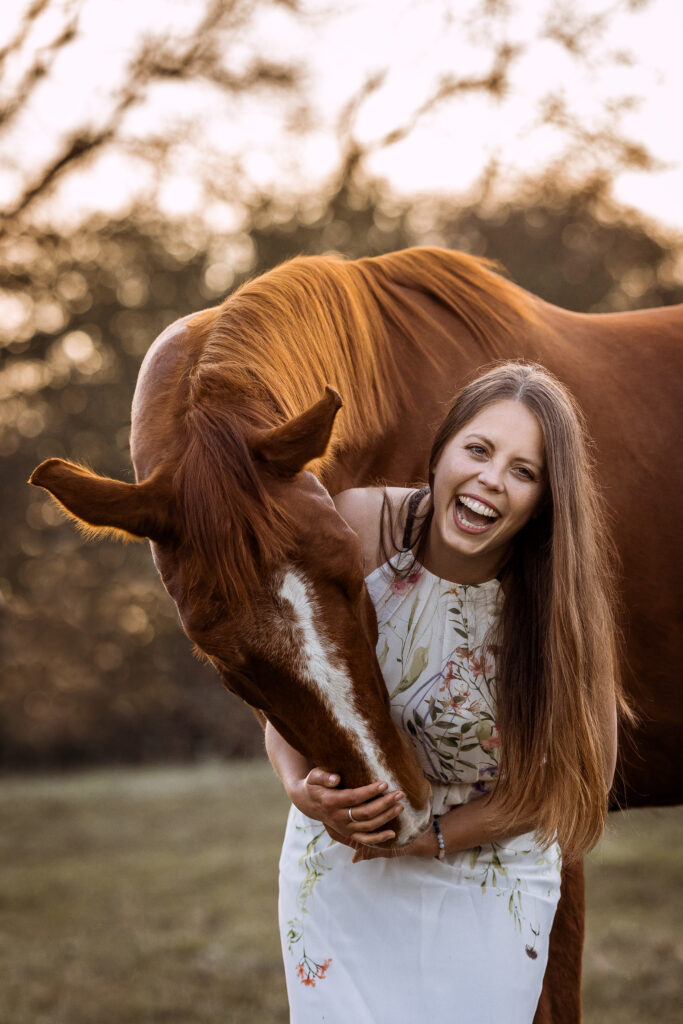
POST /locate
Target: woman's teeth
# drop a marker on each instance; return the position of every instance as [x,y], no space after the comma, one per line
[465,521]
[473,515]
[477,506]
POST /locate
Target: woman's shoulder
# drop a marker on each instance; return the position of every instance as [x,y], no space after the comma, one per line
[361,507]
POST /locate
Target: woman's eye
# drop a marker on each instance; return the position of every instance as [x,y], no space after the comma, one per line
[526,473]
[476,449]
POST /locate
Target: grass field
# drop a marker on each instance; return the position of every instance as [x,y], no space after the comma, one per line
[149,896]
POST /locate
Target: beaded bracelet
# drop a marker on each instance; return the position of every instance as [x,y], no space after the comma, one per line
[439,838]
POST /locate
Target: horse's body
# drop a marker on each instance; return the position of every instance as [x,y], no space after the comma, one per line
[262,568]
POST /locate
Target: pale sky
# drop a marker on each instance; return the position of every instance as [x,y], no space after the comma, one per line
[414,43]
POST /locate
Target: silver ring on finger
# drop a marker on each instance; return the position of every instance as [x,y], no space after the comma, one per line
[351,817]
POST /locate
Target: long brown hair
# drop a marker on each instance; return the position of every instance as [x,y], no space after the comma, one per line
[556,639]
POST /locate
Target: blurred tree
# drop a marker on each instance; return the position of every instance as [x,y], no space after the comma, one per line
[573,246]
[174,105]
[94,665]
[210,49]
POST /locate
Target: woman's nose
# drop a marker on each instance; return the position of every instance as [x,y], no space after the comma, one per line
[491,477]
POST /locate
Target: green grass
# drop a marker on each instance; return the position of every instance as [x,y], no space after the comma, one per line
[140,896]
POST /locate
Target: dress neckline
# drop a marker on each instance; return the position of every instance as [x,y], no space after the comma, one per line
[419,568]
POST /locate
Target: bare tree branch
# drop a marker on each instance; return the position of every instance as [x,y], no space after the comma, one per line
[27,23]
[495,83]
[203,56]
[198,56]
[40,68]
[352,107]
[580,33]
[75,150]
[605,138]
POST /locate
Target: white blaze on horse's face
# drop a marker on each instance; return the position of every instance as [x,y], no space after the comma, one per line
[324,672]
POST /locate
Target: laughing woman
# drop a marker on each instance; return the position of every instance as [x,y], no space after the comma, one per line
[496,640]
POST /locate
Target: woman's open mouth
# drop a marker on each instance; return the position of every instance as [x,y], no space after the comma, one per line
[472,515]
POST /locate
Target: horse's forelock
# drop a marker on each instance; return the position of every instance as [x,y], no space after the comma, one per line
[235,533]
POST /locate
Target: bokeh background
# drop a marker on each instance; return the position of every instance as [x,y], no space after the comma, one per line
[153,156]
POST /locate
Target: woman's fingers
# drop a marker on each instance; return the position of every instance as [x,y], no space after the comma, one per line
[379,817]
[319,777]
[371,807]
[355,797]
[373,796]
[345,797]
[348,797]
[372,838]
[376,810]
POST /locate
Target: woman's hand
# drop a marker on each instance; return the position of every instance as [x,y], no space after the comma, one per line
[371,806]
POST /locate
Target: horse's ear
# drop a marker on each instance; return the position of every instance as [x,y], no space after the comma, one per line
[287,449]
[106,505]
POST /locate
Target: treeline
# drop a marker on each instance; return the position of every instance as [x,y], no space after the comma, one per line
[95,667]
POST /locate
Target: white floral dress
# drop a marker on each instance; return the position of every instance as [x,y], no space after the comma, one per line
[416,940]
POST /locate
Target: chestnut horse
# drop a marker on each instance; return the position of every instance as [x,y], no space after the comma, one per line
[267,578]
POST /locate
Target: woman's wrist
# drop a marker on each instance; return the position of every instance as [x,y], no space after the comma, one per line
[439,840]
[424,846]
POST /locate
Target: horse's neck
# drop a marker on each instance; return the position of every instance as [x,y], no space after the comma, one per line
[613,346]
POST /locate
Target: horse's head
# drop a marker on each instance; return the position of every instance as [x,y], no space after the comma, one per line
[267,578]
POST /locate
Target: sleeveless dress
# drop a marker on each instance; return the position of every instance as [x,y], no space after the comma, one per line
[415,939]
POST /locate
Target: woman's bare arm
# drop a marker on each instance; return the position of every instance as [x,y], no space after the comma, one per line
[462,828]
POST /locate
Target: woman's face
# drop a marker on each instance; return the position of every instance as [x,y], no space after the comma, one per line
[488,483]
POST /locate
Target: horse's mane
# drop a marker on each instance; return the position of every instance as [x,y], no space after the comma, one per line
[318,320]
[267,353]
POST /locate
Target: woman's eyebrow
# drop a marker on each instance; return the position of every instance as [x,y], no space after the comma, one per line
[517,458]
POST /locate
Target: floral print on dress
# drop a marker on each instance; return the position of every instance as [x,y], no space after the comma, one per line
[308,969]
[492,868]
[436,649]
[402,584]
[437,658]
